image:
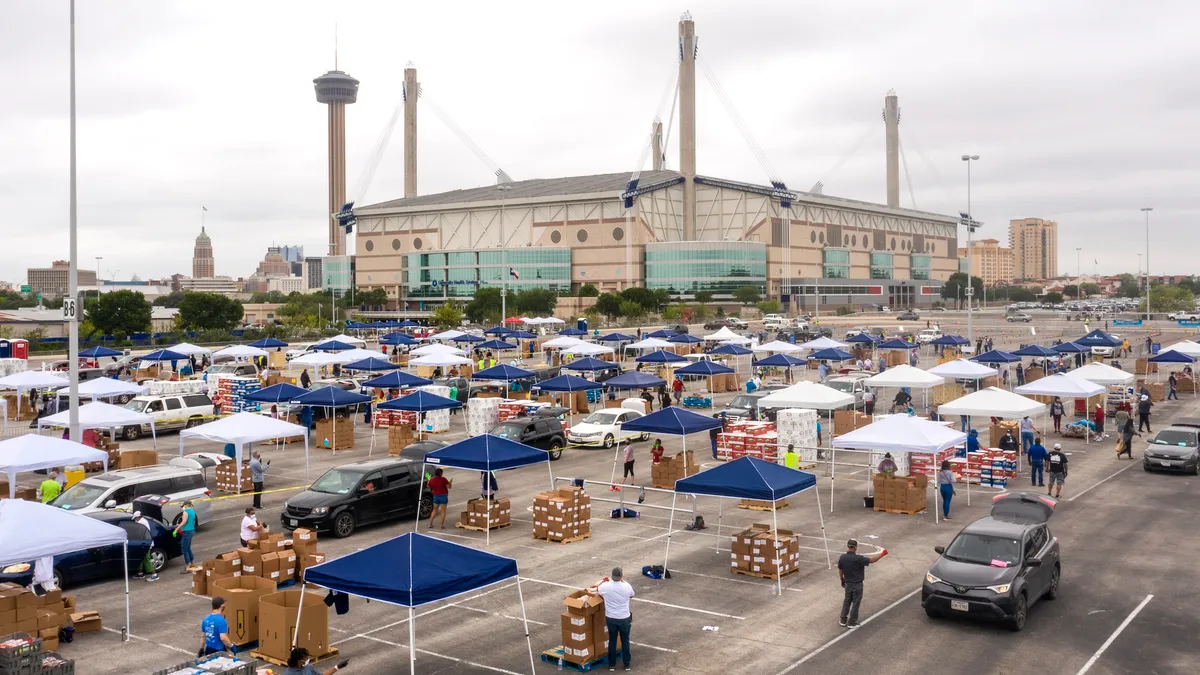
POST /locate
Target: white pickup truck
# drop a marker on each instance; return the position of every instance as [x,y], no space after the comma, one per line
[928,335]
[774,321]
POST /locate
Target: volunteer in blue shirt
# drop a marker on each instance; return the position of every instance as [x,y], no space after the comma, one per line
[973,441]
[1037,461]
[216,630]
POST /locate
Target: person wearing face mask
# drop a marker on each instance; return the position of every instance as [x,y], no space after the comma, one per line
[299,663]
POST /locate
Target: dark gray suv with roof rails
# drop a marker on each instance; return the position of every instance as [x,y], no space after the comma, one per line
[1176,448]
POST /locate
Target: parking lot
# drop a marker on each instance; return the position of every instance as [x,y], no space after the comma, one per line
[1126,605]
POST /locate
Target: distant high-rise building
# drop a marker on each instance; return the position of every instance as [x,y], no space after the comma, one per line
[990,261]
[54,281]
[274,264]
[203,265]
[1034,244]
[292,253]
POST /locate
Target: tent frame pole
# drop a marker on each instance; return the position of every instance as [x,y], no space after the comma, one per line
[412,642]
[778,559]
[420,495]
[299,613]
[824,536]
[525,621]
[125,555]
[670,523]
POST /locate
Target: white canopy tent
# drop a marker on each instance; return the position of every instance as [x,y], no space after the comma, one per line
[1188,347]
[105,387]
[443,360]
[1104,374]
[31,452]
[903,433]
[29,531]
[807,395]
[778,347]
[723,334]
[551,319]
[737,340]
[587,349]
[244,428]
[1062,385]
[316,359]
[962,369]
[563,342]
[188,349]
[436,348]
[350,340]
[241,352]
[99,415]
[356,354]
[822,343]
[993,401]
[447,335]
[650,343]
[31,379]
[905,375]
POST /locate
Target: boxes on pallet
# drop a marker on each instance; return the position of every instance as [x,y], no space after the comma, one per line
[241,595]
[584,628]
[231,480]
[399,437]
[759,550]
[901,494]
[130,459]
[233,391]
[279,629]
[482,513]
[482,415]
[563,514]
[334,433]
[798,427]
[670,469]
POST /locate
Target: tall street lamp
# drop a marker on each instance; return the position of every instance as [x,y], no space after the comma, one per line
[98,259]
[1078,269]
[503,272]
[970,223]
[1146,210]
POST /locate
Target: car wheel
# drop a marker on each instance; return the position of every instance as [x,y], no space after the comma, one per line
[1052,592]
[132,433]
[609,441]
[1196,469]
[59,579]
[426,509]
[343,525]
[645,437]
[555,450]
[1017,623]
[125,399]
[193,422]
[158,558]
[933,613]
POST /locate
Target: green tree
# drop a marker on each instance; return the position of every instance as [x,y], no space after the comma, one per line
[1129,288]
[700,312]
[1164,298]
[14,300]
[672,312]
[650,300]
[769,306]
[1018,294]
[535,302]
[375,297]
[172,299]
[1090,289]
[447,315]
[273,297]
[209,311]
[1053,297]
[122,313]
[609,305]
[955,287]
[747,295]
[485,307]
[703,297]
[1070,290]
[589,291]
[632,310]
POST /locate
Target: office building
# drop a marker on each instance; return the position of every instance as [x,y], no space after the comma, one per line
[990,261]
[274,264]
[55,281]
[203,265]
[1034,243]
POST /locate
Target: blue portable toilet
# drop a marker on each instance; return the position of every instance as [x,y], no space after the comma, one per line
[581,324]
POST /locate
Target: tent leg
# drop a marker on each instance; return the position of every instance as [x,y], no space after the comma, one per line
[153,436]
[420,494]
[670,523]
[306,454]
[125,552]
[821,518]
[832,475]
[412,643]
[936,489]
[299,613]
[525,620]
[778,558]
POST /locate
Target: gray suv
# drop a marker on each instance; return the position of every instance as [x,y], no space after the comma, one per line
[1176,448]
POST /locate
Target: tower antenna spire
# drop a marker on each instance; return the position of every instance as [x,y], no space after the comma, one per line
[335,45]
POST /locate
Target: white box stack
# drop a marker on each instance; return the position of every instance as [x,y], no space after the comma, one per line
[437,420]
[162,387]
[482,415]
[798,427]
[13,366]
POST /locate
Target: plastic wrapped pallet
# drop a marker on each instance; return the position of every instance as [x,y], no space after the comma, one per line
[162,388]
[798,427]
[436,420]
[482,415]
[13,366]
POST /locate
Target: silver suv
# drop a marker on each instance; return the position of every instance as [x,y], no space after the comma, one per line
[1176,448]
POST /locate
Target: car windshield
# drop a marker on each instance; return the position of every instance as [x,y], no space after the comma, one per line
[742,402]
[1177,437]
[137,405]
[600,418]
[224,369]
[984,549]
[842,385]
[337,482]
[512,431]
[79,496]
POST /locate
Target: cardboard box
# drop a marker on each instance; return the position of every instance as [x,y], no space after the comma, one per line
[131,459]
[26,613]
[583,603]
[242,595]
[69,603]
[46,619]
[28,599]
[7,616]
[53,597]
[27,626]
[277,623]
[270,567]
[199,582]
[304,541]
[87,622]
[306,561]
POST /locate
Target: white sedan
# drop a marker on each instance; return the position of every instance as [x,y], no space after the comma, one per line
[603,428]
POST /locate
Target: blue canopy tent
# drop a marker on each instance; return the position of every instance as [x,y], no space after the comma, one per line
[488,453]
[331,397]
[396,379]
[673,421]
[1071,348]
[419,401]
[332,346]
[268,343]
[407,323]
[831,354]
[372,364]
[397,339]
[862,339]
[661,333]
[412,570]
[660,356]
[497,345]
[615,337]
[98,352]
[504,373]
[497,331]
[590,364]
[749,478]
[277,393]
[567,384]
[572,332]
[164,355]
[467,337]
[1172,356]
[684,339]
[1037,351]
[736,351]
[779,361]
[996,356]
[1098,338]
[634,380]
[947,341]
[897,343]
[705,369]
[520,335]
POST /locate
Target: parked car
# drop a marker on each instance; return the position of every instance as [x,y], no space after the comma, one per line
[1176,448]
[745,406]
[603,428]
[850,383]
[736,323]
[774,321]
[360,493]
[85,373]
[169,411]
[678,328]
[234,369]
[1106,351]
[116,490]
[998,566]
[928,335]
[297,351]
[1018,317]
[417,451]
[723,322]
[1184,316]
[129,363]
[541,432]
[938,309]
[908,315]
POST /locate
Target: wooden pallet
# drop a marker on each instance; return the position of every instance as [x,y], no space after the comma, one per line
[761,575]
[554,656]
[754,507]
[568,540]
[903,512]
[333,651]
[476,528]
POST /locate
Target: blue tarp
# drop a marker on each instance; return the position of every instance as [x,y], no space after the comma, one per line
[831,354]
[862,338]
[590,365]
[412,570]
[395,380]
[568,383]
[732,350]
[746,478]
[504,373]
[897,343]
[487,453]
[684,339]
[397,339]
[779,361]
[495,344]
[331,397]
[98,352]
[673,420]
[616,337]
[268,343]
[661,334]
[1071,348]
[332,346]
[996,356]
[1036,350]
[1171,356]
[1098,338]
[419,401]
[373,364]
[704,368]
[164,355]
[277,393]
[572,332]
[660,356]
[634,380]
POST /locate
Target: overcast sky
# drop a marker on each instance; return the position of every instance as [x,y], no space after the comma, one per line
[1082,112]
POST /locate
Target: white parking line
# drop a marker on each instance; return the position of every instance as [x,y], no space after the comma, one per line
[736,581]
[440,656]
[1092,661]
[153,642]
[427,613]
[845,633]
[650,602]
[1087,489]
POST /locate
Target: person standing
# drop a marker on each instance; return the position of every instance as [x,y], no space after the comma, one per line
[1126,441]
[1056,461]
[1037,457]
[185,530]
[257,469]
[792,459]
[49,488]
[887,465]
[822,371]
[617,593]
[305,380]
[1027,433]
[1171,382]
[852,570]
[488,487]
[215,629]
[1056,413]
[713,433]
[1020,374]
[664,399]
[869,402]
[147,565]
[439,487]
[677,389]
[1008,441]
[1098,420]
[1144,405]
[250,528]
[656,451]
[946,481]
[628,459]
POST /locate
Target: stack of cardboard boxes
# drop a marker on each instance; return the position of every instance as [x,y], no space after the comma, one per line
[270,557]
[334,433]
[584,628]
[845,421]
[400,436]
[278,626]
[564,515]
[26,492]
[670,469]
[131,459]
[997,431]
[304,543]
[798,427]
[900,494]
[762,552]
[241,594]
[41,616]
[233,479]
[484,513]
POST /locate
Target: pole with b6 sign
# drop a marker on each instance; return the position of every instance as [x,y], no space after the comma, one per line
[70,313]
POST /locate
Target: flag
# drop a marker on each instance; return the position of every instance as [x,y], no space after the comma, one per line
[204,208]
[513,273]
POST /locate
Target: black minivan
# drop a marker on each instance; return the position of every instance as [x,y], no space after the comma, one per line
[361,493]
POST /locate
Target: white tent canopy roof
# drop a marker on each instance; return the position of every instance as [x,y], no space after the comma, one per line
[242,428]
[447,335]
[1185,347]
[777,346]
[103,387]
[823,343]
[563,342]
[905,376]
[588,349]
[316,359]
[444,359]
[187,349]
[901,433]
[33,379]
[650,343]
[992,401]
[723,334]
[738,340]
[239,351]
[1102,373]
[350,340]
[29,531]
[807,395]
[1061,385]
[31,452]
[962,369]
[98,415]
[357,354]
[435,348]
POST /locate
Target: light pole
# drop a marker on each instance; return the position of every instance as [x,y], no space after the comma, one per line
[1146,210]
[970,222]
[1078,272]
[98,259]
[73,273]
[503,272]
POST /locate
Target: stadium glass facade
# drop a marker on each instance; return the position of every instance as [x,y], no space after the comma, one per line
[456,274]
[717,266]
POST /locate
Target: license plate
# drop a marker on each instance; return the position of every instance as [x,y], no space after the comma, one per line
[292,523]
[1166,462]
[960,605]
